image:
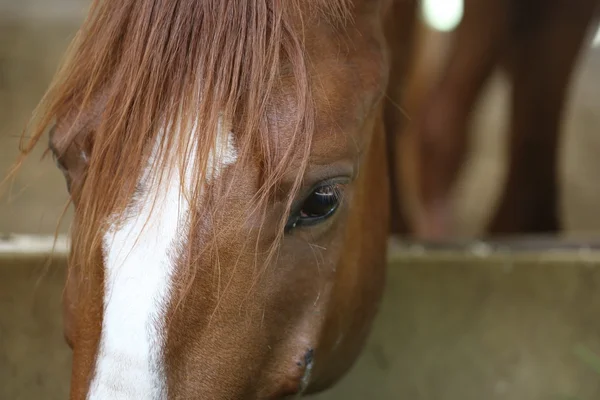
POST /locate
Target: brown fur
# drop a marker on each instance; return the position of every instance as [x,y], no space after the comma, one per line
[124,51]
[302,83]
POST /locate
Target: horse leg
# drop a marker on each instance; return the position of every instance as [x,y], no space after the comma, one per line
[442,125]
[400,29]
[541,59]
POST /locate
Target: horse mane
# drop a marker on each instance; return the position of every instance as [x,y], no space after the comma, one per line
[161,62]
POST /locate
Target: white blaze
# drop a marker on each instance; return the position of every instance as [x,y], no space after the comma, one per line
[139,267]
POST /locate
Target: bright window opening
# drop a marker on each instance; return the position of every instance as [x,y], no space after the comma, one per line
[442,15]
[596,41]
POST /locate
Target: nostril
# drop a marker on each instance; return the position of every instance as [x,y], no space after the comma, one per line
[297,381]
[308,366]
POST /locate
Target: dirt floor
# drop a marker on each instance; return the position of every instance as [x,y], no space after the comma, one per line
[455,328]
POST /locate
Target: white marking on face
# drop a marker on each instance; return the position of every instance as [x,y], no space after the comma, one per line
[139,268]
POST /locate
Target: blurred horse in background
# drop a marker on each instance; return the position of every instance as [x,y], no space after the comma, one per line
[537,43]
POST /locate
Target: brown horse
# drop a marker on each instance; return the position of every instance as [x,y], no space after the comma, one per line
[227,164]
[537,42]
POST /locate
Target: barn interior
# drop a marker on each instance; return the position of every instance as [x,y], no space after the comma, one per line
[466,320]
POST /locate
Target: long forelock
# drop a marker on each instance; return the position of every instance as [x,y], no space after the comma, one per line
[188,62]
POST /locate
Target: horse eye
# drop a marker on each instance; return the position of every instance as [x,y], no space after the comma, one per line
[317,207]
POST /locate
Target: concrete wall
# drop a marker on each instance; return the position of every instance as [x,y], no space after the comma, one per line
[453,326]
[29,55]
[56,11]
